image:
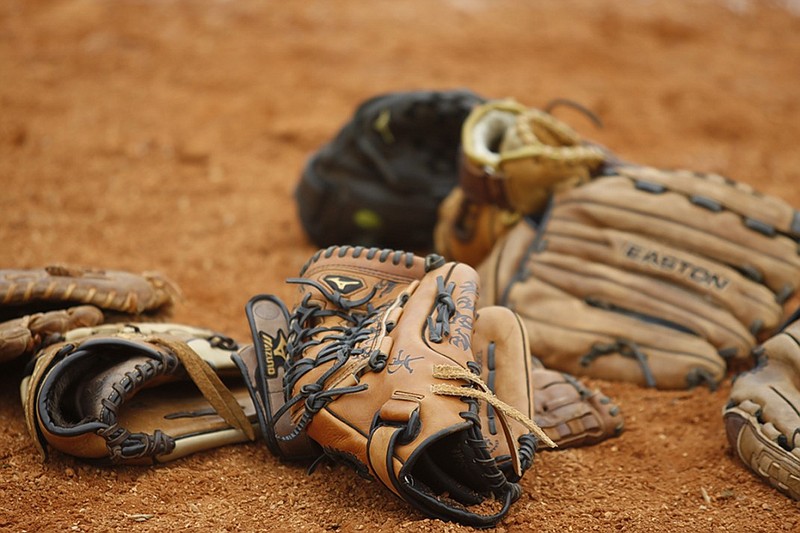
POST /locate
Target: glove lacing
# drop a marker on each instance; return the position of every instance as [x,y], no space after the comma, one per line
[624,348]
[342,340]
[482,392]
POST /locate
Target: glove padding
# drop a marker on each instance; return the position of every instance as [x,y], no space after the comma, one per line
[381,179]
[380,374]
[648,276]
[140,393]
[761,418]
[37,305]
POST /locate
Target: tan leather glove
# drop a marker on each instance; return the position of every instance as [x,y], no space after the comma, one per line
[649,276]
[762,418]
[139,393]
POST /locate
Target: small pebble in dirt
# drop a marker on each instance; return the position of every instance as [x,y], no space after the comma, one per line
[726,494]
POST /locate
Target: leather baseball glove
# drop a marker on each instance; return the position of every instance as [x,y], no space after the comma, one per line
[516,157]
[38,305]
[512,159]
[380,374]
[649,276]
[646,275]
[761,418]
[568,412]
[466,230]
[139,393]
[379,181]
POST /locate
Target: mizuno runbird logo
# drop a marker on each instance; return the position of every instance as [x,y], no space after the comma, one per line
[274,351]
[343,284]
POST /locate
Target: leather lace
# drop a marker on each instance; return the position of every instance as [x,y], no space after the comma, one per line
[122,444]
[483,392]
[625,348]
[340,339]
[439,327]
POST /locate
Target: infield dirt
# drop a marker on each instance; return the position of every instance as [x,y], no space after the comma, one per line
[169,136]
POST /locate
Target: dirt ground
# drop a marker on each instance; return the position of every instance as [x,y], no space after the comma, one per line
[169,135]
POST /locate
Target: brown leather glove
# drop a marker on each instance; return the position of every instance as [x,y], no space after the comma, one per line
[762,418]
[26,334]
[380,374]
[137,394]
[37,305]
[466,231]
[649,276]
[570,413]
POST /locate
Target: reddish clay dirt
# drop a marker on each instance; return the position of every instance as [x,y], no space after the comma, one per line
[169,135]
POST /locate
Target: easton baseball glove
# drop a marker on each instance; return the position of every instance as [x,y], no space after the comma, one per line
[646,275]
[139,393]
[649,276]
[380,374]
[38,305]
[761,418]
[381,179]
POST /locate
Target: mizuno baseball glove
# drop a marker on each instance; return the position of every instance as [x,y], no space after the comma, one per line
[380,370]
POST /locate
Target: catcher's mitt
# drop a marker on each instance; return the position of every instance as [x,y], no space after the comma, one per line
[761,418]
[79,394]
[648,275]
[380,180]
[37,305]
[380,374]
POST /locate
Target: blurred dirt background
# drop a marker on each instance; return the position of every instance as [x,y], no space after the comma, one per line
[169,135]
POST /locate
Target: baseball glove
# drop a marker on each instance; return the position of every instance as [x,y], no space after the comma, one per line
[139,393]
[381,179]
[516,158]
[650,276]
[380,374]
[466,231]
[37,305]
[761,418]
[569,414]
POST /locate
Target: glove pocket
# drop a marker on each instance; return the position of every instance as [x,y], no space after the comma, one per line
[116,400]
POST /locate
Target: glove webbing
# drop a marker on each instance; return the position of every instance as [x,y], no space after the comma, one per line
[555,140]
